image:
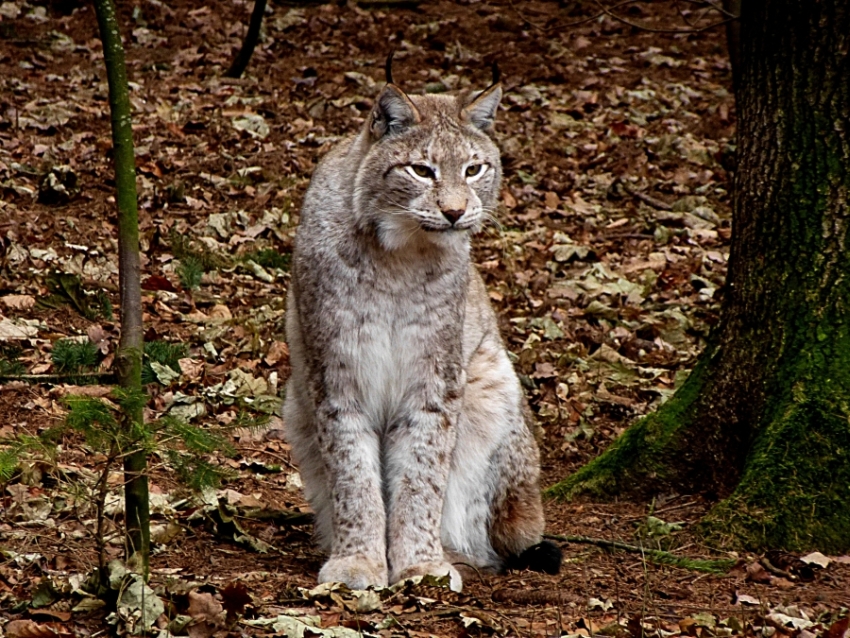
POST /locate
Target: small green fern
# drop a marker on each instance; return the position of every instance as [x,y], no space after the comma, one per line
[190,270]
[9,364]
[196,472]
[71,356]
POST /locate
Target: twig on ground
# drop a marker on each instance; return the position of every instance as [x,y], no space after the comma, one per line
[773,569]
[646,199]
[274,455]
[607,11]
[276,516]
[720,565]
[58,378]
[563,25]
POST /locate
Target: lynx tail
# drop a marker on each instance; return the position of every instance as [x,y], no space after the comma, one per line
[544,557]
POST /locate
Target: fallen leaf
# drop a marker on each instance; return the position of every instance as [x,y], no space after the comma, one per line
[839,629]
[18,302]
[757,574]
[544,371]
[15,331]
[508,199]
[164,533]
[234,598]
[220,311]
[203,606]
[158,282]
[192,369]
[30,629]
[277,351]
[253,124]
[816,558]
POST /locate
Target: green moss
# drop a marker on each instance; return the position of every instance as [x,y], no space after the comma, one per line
[796,485]
[638,460]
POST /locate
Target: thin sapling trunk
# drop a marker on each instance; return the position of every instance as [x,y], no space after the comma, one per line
[128,359]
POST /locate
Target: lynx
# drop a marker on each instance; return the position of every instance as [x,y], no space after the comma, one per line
[403,411]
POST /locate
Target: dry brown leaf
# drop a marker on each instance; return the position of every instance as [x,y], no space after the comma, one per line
[839,629]
[18,302]
[220,311]
[192,369]
[757,574]
[203,606]
[31,629]
[235,597]
[277,351]
[207,612]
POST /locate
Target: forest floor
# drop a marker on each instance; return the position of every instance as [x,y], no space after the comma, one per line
[606,273]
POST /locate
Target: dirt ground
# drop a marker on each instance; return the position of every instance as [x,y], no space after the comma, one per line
[606,272]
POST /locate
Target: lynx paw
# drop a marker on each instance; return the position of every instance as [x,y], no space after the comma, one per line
[358,571]
[433,568]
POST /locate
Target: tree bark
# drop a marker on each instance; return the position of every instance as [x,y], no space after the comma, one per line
[763,421]
[240,62]
[128,360]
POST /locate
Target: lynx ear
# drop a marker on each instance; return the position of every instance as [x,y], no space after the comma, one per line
[482,110]
[393,112]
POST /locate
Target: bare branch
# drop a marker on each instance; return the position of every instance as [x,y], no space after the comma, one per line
[607,11]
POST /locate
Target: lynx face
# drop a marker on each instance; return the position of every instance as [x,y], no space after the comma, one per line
[432,173]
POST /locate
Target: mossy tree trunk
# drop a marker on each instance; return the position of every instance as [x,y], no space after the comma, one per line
[763,421]
[128,360]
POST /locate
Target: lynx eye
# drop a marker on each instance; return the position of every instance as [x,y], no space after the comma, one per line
[422,171]
[474,169]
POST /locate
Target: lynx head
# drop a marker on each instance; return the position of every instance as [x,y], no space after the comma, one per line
[431,172]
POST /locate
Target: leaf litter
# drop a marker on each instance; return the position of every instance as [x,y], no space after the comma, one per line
[607,273]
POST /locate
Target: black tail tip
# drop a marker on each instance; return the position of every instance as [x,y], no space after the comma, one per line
[544,557]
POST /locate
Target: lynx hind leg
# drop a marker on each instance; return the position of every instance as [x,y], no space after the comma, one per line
[301,435]
[493,510]
[516,524]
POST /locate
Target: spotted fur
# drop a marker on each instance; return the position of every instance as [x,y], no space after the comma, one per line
[403,410]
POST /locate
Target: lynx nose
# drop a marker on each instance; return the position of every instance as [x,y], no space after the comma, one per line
[453,215]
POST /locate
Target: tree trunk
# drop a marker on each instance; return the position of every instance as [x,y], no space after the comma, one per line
[763,421]
[240,63]
[128,360]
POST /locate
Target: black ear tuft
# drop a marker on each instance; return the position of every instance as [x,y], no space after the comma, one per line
[497,74]
[544,557]
[388,67]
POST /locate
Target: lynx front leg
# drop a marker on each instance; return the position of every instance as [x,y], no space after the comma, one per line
[351,452]
[418,455]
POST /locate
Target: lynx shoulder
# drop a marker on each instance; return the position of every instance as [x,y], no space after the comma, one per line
[403,411]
